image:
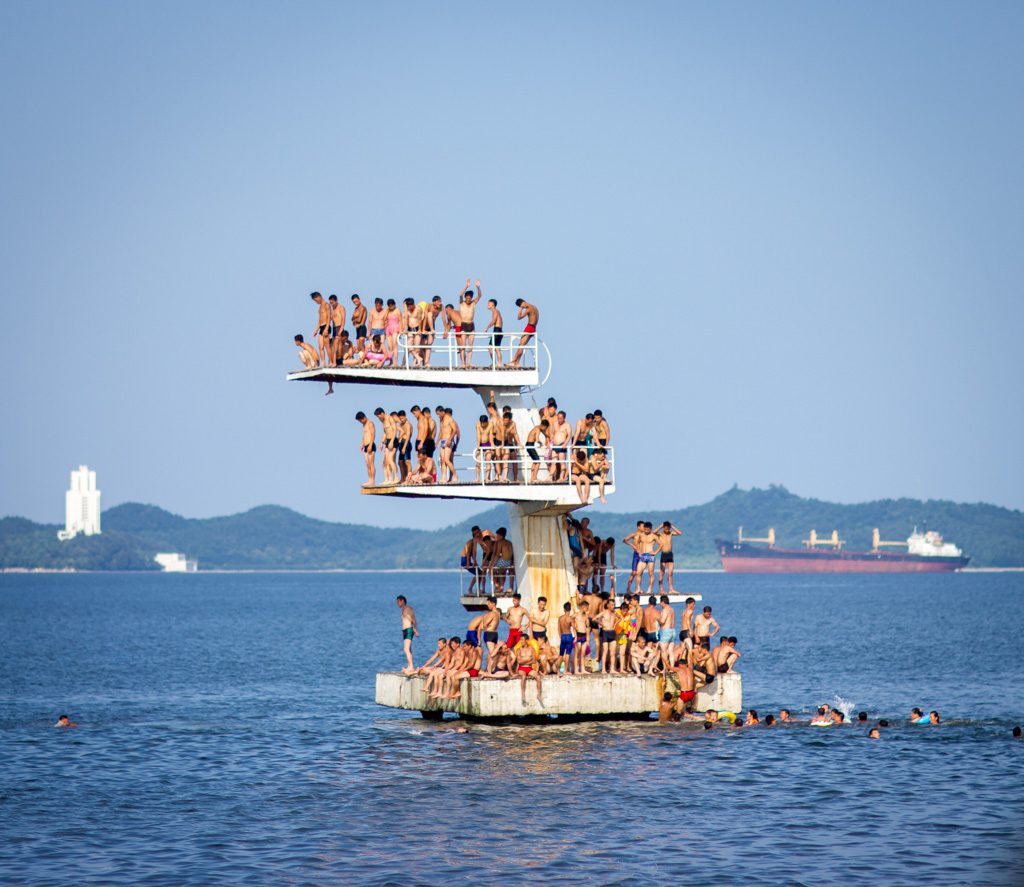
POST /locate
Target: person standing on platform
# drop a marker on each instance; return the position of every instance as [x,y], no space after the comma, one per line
[359,322]
[336,329]
[532,315]
[644,543]
[502,567]
[405,433]
[540,615]
[378,319]
[323,322]
[467,322]
[497,330]
[667,566]
[368,448]
[389,442]
[703,631]
[409,631]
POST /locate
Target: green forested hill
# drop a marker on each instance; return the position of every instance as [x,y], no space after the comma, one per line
[271,537]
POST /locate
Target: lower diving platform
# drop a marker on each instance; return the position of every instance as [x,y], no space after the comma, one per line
[572,697]
[424,377]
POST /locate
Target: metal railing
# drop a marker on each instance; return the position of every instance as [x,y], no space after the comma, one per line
[447,352]
[483,575]
[503,466]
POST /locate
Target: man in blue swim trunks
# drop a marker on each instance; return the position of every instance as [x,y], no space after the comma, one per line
[409,631]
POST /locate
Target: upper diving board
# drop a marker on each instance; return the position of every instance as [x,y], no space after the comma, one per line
[424,377]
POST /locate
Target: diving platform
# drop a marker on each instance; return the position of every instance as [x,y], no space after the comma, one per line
[574,697]
[559,498]
[424,377]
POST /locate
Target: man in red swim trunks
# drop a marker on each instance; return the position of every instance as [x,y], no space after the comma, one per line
[526,662]
[514,616]
[687,690]
[530,312]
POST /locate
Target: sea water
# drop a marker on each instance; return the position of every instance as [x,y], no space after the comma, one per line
[228,735]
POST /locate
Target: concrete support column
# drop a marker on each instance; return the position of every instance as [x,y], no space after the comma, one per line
[543,559]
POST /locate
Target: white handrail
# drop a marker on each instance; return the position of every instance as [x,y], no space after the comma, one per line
[520,466]
[447,344]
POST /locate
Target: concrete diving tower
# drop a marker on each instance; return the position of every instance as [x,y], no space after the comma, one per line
[543,560]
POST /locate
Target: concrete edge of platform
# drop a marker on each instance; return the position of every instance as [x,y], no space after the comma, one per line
[569,697]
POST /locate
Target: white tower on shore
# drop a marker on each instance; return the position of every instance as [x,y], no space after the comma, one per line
[81,505]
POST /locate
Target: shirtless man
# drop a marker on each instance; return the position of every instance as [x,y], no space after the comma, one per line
[703,630]
[321,331]
[667,709]
[413,322]
[489,627]
[528,666]
[687,687]
[500,664]
[469,561]
[581,628]
[425,426]
[686,625]
[405,433]
[484,448]
[368,448]
[467,313]
[667,566]
[599,468]
[436,659]
[445,445]
[666,631]
[536,443]
[426,471]
[531,314]
[389,441]
[645,542]
[307,353]
[643,657]
[540,615]
[434,683]
[566,640]
[584,574]
[460,665]
[630,540]
[434,310]
[649,621]
[501,561]
[606,622]
[513,448]
[497,332]
[65,721]
[409,631]
[561,434]
[336,328]
[359,322]
[602,433]
[515,617]
[378,319]
[725,655]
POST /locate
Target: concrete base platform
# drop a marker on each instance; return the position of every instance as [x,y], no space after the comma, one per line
[595,696]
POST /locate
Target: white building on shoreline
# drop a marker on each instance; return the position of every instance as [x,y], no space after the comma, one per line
[81,505]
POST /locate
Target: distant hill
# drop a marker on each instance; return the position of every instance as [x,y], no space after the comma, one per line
[276,538]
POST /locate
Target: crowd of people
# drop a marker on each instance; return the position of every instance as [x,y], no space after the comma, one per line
[378,332]
[565,452]
[594,636]
[597,637]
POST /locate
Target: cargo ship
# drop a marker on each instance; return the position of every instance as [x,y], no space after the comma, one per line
[925,553]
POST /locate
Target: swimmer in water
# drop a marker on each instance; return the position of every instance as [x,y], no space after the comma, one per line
[874,733]
[862,717]
[1016,732]
[933,717]
[667,710]
[822,719]
[752,719]
[918,717]
[784,716]
[883,723]
[769,720]
[65,721]
[837,716]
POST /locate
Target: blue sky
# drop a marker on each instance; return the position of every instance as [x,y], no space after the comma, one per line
[776,243]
